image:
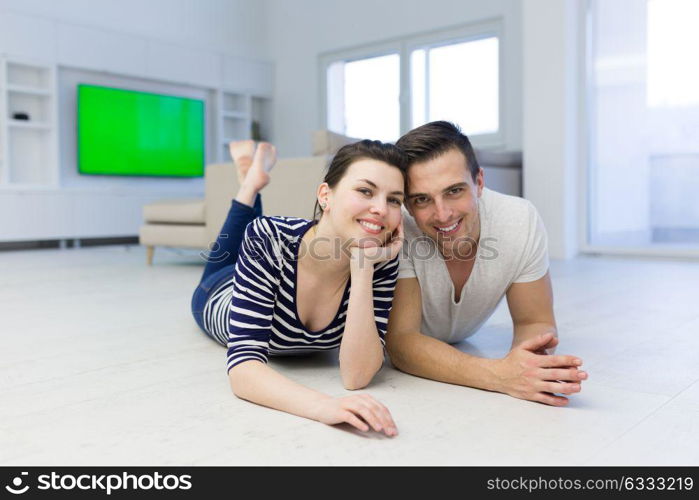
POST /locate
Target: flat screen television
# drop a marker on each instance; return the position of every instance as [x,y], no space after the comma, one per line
[125,132]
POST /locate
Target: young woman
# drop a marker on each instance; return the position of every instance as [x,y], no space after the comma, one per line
[285,285]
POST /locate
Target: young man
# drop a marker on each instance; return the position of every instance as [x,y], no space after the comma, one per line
[465,248]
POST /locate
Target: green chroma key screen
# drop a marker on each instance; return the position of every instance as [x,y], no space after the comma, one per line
[124,132]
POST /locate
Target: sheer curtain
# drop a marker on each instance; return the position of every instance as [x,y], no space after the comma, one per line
[644,127]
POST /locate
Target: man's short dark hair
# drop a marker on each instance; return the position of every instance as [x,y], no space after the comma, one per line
[433,139]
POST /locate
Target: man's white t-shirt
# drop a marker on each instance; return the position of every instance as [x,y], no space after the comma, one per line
[512,249]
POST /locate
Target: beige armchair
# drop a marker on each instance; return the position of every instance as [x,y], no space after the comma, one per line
[196,223]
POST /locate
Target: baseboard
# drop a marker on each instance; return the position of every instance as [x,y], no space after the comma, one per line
[67,243]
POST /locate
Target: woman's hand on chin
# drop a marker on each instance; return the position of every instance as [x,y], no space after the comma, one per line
[361,256]
[360,410]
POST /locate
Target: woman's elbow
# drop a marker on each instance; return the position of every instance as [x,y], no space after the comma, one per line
[357,376]
[238,380]
[355,383]
[235,383]
[358,380]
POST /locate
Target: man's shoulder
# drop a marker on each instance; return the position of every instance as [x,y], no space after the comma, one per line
[504,212]
[500,202]
[514,232]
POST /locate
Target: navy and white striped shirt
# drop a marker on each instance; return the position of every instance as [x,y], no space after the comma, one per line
[256,309]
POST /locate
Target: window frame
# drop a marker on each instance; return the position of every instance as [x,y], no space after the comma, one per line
[404,46]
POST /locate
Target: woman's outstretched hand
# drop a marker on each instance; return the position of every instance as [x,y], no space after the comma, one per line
[361,411]
[375,254]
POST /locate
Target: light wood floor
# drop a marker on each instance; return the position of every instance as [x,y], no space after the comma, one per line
[102,364]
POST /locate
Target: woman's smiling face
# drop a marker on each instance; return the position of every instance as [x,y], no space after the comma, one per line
[365,206]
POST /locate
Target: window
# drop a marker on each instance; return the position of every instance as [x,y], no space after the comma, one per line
[384,91]
[644,126]
[457,82]
[364,97]
[672,42]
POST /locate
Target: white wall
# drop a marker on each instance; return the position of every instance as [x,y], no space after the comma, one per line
[299,31]
[550,118]
[234,27]
[208,43]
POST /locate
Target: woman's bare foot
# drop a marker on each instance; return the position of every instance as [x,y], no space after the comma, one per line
[257,176]
[262,163]
[242,153]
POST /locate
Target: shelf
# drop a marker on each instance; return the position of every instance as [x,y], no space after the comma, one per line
[39,108]
[239,115]
[35,91]
[224,154]
[29,146]
[29,125]
[235,103]
[28,75]
[261,118]
[226,141]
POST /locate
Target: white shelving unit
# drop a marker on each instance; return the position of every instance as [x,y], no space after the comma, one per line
[241,116]
[261,118]
[28,154]
[28,147]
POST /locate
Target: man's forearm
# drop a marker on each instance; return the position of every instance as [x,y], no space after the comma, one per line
[430,358]
[526,331]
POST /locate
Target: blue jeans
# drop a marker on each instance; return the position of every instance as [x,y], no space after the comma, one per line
[223,254]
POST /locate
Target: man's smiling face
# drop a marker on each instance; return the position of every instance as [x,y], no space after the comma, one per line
[443,199]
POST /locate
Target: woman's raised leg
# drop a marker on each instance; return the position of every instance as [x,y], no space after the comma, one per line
[253,174]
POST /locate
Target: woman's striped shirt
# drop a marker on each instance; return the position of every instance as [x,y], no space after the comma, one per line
[261,317]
